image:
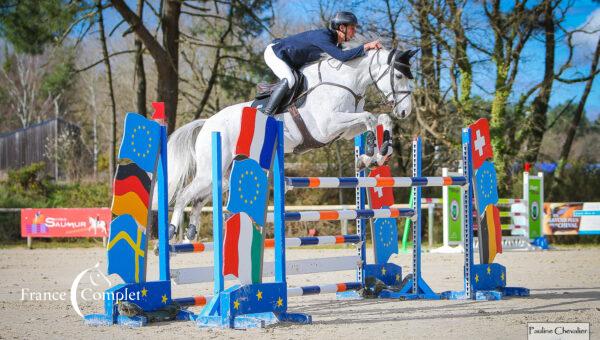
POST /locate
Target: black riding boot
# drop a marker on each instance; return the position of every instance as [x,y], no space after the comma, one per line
[277,95]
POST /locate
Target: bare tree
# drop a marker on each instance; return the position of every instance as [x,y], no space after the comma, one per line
[140,72]
[511,31]
[23,82]
[165,55]
[111,93]
[574,124]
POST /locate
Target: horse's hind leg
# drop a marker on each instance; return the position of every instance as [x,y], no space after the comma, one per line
[195,218]
[198,189]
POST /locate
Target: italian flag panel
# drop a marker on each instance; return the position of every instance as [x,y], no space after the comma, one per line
[243,249]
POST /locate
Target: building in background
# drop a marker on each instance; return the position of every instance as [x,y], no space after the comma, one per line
[54,141]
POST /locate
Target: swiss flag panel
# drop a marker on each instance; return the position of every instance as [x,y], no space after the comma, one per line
[481,142]
[381,197]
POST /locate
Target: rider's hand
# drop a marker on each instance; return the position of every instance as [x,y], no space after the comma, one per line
[373,45]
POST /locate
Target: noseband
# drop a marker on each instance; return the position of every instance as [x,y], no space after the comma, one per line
[395,94]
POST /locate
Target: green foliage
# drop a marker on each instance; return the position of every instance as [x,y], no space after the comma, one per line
[31,24]
[81,195]
[61,77]
[30,179]
[30,188]
[579,183]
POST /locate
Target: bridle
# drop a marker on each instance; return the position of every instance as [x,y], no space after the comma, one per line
[391,68]
[358,97]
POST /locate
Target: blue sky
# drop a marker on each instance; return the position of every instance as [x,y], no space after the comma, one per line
[531,67]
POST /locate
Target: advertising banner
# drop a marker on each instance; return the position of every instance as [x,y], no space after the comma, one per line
[534,201]
[454,203]
[560,219]
[65,222]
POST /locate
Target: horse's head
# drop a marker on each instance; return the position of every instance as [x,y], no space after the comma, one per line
[394,79]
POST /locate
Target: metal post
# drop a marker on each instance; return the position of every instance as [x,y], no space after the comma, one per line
[417,224]
[467,221]
[360,223]
[217,212]
[279,209]
[163,209]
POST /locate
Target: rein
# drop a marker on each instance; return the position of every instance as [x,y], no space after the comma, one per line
[389,69]
[358,97]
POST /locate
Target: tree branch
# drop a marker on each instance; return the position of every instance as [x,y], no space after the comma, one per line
[101,60]
[154,48]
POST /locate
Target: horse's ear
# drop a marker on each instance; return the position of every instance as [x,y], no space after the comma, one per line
[403,64]
[412,53]
[392,52]
[403,57]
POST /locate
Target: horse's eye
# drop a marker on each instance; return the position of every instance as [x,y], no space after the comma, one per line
[398,75]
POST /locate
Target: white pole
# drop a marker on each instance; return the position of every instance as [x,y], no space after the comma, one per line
[445,212]
[430,213]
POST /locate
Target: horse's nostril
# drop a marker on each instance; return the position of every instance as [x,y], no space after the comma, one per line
[403,114]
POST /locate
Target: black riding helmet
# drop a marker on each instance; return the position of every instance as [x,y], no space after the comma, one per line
[343,18]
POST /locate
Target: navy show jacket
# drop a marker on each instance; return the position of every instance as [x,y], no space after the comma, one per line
[302,48]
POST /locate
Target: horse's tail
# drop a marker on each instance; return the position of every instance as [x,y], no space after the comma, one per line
[181,155]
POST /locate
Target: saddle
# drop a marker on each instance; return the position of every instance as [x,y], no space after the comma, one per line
[264,90]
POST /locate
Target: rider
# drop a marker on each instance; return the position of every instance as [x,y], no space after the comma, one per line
[295,51]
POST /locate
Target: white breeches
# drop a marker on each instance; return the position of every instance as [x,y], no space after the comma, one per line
[279,67]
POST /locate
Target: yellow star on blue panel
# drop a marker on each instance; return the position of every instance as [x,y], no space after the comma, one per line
[502,276]
[476,277]
[236,304]
[249,190]
[259,295]
[140,141]
[398,277]
[383,270]
[489,270]
[164,298]
[144,291]
[279,302]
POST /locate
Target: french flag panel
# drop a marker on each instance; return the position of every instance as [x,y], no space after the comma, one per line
[258,133]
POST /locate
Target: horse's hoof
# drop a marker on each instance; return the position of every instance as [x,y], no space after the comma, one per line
[370,143]
[172,231]
[386,149]
[362,163]
[190,233]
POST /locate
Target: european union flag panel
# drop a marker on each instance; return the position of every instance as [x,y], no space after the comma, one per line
[149,296]
[481,143]
[141,141]
[258,133]
[488,276]
[126,250]
[256,298]
[248,190]
[485,186]
[381,197]
[385,239]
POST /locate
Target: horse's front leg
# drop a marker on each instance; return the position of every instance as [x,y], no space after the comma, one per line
[376,152]
[351,124]
[385,148]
